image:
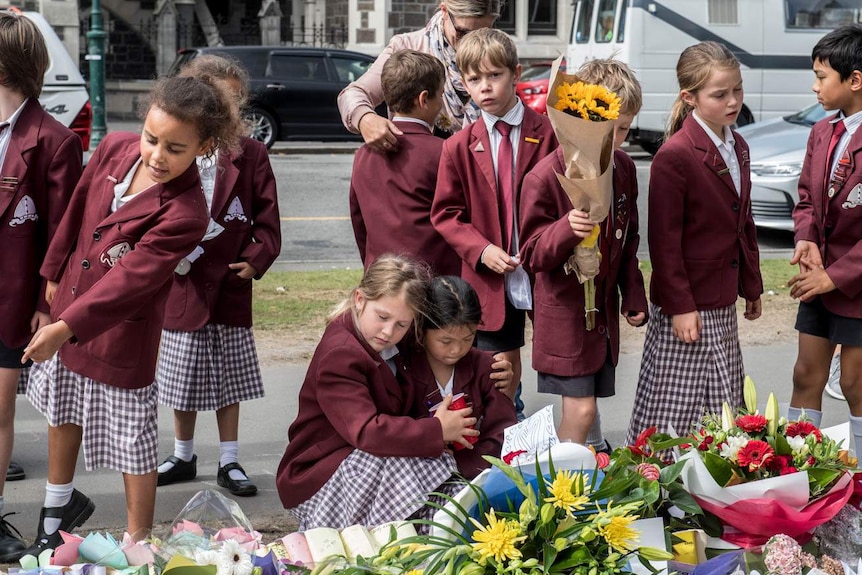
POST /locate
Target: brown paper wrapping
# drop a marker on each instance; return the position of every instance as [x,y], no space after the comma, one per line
[588,157]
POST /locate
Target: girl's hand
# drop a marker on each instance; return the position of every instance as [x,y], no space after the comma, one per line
[806,285]
[47,341]
[580,223]
[244,270]
[50,292]
[807,255]
[687,326]
[635,318]
[753,309]
[502,372]
[39,320]
[497,260]
[456,424]
[379,132]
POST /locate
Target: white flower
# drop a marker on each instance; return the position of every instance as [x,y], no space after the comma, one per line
[205,557]
[734,443]
[232,559]
[797,444]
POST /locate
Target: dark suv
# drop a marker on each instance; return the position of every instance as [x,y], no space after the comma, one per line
[293,90]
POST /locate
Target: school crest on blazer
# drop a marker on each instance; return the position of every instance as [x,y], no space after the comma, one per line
[25,211]
[110,256]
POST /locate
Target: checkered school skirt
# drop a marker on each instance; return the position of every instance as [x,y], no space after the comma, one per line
[678,381]
[120,426]
[208,369]
[371,490]
[23,378]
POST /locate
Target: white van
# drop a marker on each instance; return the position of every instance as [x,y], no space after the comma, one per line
[64,93]
[773,40]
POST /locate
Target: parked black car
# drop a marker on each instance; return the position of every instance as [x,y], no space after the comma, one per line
[293,90]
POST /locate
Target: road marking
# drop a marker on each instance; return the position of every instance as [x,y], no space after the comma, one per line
[315,218]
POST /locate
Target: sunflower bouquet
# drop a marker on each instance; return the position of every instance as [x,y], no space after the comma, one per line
[559,526]
[581,115]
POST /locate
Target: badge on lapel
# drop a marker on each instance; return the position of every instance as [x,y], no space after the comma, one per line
[479,147]
[745,158]
[110,256]
[854,198]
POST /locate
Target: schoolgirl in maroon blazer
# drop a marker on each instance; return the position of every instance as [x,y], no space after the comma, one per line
[40,163]
[703,250]
[136,212]
[208,360]
[355,453]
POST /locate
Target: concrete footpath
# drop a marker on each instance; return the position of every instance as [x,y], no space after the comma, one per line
[263,436]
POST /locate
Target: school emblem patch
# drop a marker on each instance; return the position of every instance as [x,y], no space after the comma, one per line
[24,211]
[110,256]
[235,212]
[854,198]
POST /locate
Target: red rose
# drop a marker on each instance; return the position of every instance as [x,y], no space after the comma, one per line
[803,429]
[754,455]
[778,463]
[602,460]
[811,461]
[788,470]
[751,423]
[705,443]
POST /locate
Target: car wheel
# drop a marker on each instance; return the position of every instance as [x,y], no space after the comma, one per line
[264,128]
[745,117]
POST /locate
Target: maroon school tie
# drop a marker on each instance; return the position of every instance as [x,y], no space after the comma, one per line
[838,129]
[506,180]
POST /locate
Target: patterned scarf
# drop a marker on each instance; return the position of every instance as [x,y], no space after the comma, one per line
[458,110]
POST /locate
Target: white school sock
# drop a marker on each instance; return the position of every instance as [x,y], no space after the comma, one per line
[794,413]
[183,449]
[229,453]
[56,496]
[594,435]
[856,430]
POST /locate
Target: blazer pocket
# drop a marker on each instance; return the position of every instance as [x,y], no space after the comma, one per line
[706,280]
[558,331]
[121,345]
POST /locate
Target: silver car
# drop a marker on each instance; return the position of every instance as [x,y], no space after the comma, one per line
[777,151]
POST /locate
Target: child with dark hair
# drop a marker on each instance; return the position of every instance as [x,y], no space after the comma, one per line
[450,366]
[391,193]
[827,221]
[137,211]
[40,163]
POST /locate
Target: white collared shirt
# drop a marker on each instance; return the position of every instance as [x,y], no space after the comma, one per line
[398,118]
[6,136]
[851,123]
[514,117]
[726,149]
[120,189]
[388,355]
[207,170]
[446,389]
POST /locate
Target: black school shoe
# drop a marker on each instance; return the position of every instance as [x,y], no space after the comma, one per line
[15,472]
[11,544]
[71,515]
[241,487]
[181,471]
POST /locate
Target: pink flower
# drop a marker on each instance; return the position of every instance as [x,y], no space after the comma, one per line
[648,470]
[754,455]
[783,555]
[602,460]
[751,423]
[804,429]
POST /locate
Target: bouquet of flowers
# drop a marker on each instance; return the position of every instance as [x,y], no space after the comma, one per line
[580,114]
[762,475]
[560,526]
[781,555]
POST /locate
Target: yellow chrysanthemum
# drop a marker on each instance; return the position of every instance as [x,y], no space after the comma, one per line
[589,101]
[569,491]
[497,539]
[616,529]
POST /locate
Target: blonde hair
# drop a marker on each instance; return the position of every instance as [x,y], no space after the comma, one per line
[495,45]
[390,276]
[617,77]
[696,64]
[406,74]
[24,54]
[473,8]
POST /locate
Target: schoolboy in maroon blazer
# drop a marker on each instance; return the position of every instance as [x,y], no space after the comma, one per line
[391,192]
[119,345]
[827,221]
[40,163]
[469,209]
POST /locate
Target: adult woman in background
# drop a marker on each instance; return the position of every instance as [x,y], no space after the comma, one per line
[439,37]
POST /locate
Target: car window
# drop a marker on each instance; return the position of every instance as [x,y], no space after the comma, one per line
[349,69]
[605,21]
[297,67]
[254,61]
[585,14]
[536,73]
[809,116]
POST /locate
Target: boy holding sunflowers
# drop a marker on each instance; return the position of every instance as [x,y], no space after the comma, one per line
[573,360]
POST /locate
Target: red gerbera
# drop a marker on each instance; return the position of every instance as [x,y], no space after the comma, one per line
[803,429]
[754,455]
[751,423]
